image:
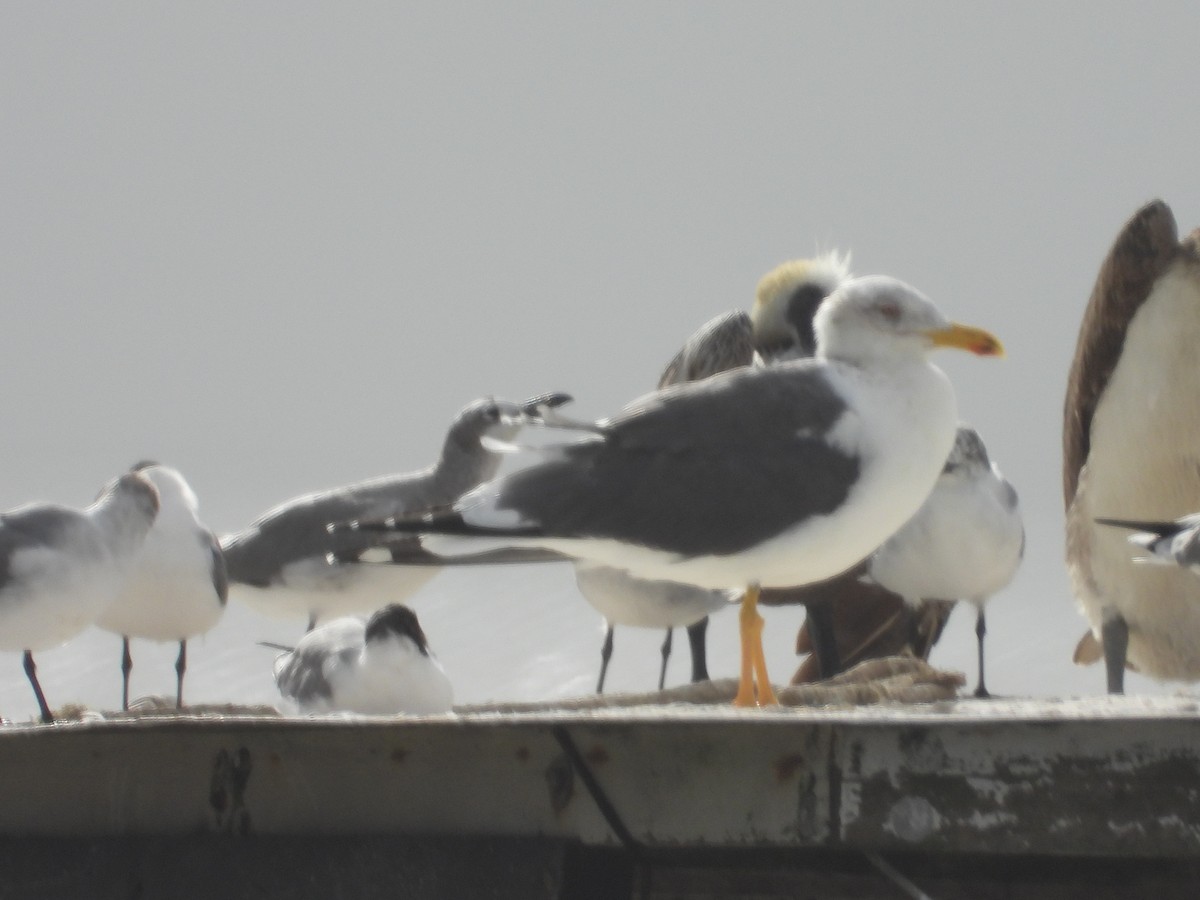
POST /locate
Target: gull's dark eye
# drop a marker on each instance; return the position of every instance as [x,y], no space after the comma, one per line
[889,311]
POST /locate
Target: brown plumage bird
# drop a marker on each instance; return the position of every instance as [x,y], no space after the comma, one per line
[1131,433]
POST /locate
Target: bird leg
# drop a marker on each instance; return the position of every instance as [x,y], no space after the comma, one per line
[696,636]
[754,665]
[126,668]
[180,668]
[31,674]
[1114,634]
[981,630]
[605,656]
[824,637]
[666,655]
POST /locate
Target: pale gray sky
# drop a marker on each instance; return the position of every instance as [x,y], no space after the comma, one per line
[278,245]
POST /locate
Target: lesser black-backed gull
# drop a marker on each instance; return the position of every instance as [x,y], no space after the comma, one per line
[60,567]
[777,327]
[1131,427]
[376,666]
[288,564]
[772,476]
[177,586]
[965,542]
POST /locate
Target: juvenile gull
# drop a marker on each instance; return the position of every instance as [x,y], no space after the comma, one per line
[1174,543]
[177,585]
[60,567]
[1131,426]
[288,564]
[378,666]
[772,476]
[965,542]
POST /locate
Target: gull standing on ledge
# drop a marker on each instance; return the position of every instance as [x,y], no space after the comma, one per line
[288,564]
[965,542]
[379,666]
[177,586]
[759,477]
[60,567]
[778,327]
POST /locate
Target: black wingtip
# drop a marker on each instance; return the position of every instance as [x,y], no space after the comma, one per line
[1159,528]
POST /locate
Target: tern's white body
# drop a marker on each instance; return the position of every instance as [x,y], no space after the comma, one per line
[377,677]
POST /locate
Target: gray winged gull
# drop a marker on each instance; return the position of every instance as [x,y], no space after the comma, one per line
[758,477]
[61,566]
[778,326]
[287,564]
[376,666]
[1172,543]
[1131,426]
[177,586]
[964,543]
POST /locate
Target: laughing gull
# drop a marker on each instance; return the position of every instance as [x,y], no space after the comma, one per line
[177,586]
[1131,426]
[778,327]
[61,567]
[773,476]
[625,600]
[287,564]
[1174,543]
[965,542]
[377,666]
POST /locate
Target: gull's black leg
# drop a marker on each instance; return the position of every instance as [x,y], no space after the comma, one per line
[696,638]
[180,668]
[1114,634]
[31,674]
[980,631]
[605,655]
[126,668]
[666,655]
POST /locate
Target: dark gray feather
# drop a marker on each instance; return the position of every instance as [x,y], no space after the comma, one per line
[706,469]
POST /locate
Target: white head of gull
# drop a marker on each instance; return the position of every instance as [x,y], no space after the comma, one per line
[177,586]
[60,567]
[287,564]
[379,666]
[964,543]
[773,476]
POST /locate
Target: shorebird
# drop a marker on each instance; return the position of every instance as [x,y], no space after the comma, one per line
[964,543]
[759,477]
[376,666]
[177,586]
[61,566]
[288,564]
[1131,426]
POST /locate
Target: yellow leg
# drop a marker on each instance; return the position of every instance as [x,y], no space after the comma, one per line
[745,695]
[754,664]
[766,693]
